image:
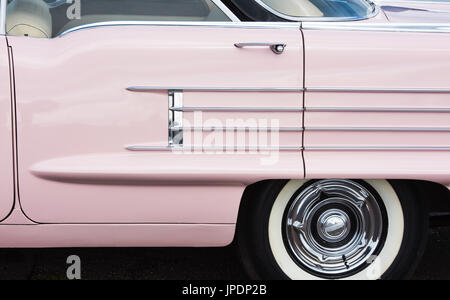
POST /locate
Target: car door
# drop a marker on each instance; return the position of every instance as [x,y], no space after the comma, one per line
[370,113]
[98,104]
[6,157]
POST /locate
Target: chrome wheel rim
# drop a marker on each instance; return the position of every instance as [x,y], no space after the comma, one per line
[334,227]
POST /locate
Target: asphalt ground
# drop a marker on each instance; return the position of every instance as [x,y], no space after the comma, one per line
[173,263]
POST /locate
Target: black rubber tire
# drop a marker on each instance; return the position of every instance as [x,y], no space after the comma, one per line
[252,237]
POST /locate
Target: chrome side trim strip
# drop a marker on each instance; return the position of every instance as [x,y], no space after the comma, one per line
[406,148]
[280,129]
[3,5]
[146,89]
[218,148]
[249,148]
[236,109]
[374,13]
[377,109]
[377,90]
[246,25]
[381,27]
[387,129]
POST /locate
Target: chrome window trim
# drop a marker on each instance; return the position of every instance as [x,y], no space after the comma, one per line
[246,25]
[226,10]
[3,5]
[379,27]
[146,89]
[378,90]
[375,12]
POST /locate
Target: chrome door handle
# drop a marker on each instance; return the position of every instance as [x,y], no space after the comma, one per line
[277,48]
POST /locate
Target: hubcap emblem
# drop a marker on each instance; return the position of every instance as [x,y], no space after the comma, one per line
[334,225]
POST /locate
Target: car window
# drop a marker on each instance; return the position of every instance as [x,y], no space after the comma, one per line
[319,8]
[49,18]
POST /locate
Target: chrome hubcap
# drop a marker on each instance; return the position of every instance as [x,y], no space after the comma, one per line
[334,227]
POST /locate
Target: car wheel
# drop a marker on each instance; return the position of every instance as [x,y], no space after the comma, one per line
[332,229]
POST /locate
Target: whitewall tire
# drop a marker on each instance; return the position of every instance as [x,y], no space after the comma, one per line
[332,229]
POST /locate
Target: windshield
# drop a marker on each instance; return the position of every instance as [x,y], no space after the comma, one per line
[300,9]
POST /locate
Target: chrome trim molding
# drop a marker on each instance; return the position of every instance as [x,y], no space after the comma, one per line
[406,148]
[377,109]
[176,129]
[237,109]
[217,148]
[147,89]
[175,119]
[226,10]
[280,129]
[294,148]
[387,129]
[3,5]
[151,148]
[375,12]
[247,25]
[378,90]
[381,27]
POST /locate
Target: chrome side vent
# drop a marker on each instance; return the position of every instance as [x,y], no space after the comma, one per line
[175,118]
[179,132]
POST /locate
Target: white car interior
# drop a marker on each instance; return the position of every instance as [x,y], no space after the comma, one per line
[29,18]
[295,8]
[46,19]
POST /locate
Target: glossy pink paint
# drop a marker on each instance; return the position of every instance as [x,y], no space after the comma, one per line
[416,11]
[377,60]
[361,59]
[166,169]
[120,235]
[76,118]
[6,158]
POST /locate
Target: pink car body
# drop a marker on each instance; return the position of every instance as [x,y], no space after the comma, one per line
[85,154]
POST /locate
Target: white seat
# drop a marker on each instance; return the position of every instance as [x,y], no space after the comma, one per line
[29,18]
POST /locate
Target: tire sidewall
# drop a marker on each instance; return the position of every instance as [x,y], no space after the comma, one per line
[271,260]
